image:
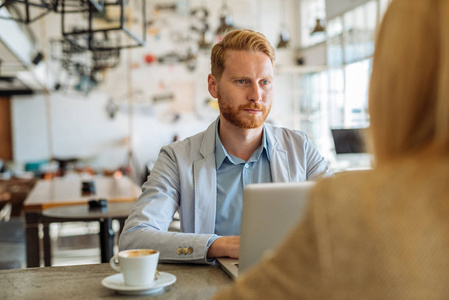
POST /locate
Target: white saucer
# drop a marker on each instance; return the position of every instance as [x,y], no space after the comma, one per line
[117,283]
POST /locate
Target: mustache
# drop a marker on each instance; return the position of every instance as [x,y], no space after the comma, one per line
[252,106]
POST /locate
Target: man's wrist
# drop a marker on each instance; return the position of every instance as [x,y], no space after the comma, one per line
[225,246]
[208,244]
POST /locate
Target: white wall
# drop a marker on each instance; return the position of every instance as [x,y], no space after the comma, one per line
[81,128]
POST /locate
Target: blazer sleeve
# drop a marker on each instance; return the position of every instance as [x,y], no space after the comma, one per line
[317,166]
[147,224]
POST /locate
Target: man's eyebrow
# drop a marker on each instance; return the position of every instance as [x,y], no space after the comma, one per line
[240,77]
[249,77]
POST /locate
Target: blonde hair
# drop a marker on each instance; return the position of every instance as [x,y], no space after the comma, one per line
[242,39]
[409,88]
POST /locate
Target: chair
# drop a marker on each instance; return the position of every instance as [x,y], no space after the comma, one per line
[12,244]
[5,206]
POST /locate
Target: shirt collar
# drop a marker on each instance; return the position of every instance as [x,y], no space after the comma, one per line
[221,153]
[265,142]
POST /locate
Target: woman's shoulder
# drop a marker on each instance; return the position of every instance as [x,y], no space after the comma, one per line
[393,183]
[343,183]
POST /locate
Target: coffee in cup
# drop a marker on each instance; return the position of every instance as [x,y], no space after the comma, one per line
[138,266]
[138,253]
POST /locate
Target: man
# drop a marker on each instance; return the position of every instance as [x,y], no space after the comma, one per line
[203,177]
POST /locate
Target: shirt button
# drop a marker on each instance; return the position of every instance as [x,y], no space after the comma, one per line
[246,166]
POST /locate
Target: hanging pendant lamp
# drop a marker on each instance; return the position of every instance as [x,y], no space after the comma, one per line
[318,27]
[284,36]
[226,22]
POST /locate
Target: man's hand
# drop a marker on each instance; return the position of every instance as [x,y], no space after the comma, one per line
[225,246]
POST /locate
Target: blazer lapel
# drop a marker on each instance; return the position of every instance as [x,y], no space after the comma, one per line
[280,170]
[205,195]
[205,180]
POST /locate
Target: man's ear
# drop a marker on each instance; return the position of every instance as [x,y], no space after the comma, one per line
[212,85]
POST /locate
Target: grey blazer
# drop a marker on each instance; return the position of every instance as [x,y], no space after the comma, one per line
[184,179]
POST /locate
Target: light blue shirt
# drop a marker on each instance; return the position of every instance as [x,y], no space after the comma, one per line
[233,174]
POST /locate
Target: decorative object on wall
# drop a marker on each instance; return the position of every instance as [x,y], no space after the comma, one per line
[149,58]
[190,59]
[111,108]
[73,59]
[87,68]
[199,24]
[163,97]
[284,36]
[166,6]
[170,58]
[85,84]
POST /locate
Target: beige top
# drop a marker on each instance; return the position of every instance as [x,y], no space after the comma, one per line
[380,234]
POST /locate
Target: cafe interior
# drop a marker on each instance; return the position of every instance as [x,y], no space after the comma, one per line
[90,90]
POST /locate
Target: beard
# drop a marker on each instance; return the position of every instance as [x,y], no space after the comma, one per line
[233,114]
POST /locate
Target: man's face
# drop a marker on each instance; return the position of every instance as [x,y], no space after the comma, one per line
[245,89]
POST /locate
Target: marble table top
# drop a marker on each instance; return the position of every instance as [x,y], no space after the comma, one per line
[194,282]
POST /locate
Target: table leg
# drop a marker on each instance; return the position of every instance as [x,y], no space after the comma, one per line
[106,240]
[32,220]
[47,245]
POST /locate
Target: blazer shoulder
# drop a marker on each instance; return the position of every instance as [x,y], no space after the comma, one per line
[187,148]
[285,135]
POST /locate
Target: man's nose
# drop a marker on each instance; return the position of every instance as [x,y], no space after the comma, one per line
[255,93]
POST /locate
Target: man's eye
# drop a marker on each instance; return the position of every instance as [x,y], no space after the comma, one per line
[241,81]
[265,82]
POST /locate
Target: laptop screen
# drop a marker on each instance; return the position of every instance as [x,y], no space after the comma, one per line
[349,140]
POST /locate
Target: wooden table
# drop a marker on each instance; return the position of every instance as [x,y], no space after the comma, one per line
[59,192]
[75,213]
[194,282]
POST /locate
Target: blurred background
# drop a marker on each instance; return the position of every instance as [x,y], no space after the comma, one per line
[97,87]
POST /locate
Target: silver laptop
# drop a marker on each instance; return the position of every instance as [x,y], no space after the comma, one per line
[270,210]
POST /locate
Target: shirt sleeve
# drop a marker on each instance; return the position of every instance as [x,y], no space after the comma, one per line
[317,166]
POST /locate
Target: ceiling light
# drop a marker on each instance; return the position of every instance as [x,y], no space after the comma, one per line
[284,36]
[226,22]
[318,27]
[284,39]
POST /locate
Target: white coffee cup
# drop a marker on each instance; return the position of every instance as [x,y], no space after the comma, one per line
[138,266]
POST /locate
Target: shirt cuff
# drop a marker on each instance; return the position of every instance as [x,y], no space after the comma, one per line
[208,244]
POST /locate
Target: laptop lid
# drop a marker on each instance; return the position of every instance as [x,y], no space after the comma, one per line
[348,140]
[270,210]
